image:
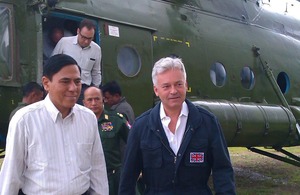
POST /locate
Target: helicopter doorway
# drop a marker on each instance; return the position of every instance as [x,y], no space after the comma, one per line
[56,25]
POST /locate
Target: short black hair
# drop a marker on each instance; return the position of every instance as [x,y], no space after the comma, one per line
[56,63]
[30,87]
[112,87]
[89,24]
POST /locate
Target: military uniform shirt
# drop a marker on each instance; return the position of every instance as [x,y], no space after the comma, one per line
[112,128]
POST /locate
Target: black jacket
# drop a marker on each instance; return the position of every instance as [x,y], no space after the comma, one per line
[203,150]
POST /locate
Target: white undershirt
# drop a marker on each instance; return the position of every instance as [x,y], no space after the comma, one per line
[176,138]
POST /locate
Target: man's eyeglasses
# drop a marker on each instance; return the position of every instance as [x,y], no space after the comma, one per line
[86,38]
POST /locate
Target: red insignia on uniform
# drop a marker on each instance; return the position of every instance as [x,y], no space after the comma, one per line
[196,157]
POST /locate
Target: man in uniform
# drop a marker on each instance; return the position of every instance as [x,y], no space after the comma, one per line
[112,128]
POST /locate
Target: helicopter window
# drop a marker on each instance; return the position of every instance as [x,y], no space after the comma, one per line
[129,61]
[218,74]
[283,82]
[247,78]
[5,43]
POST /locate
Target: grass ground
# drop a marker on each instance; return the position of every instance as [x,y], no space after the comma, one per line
[259,175]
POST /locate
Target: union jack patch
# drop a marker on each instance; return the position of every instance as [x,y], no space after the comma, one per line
[196,157]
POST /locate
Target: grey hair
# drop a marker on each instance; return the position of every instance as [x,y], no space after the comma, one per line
[165,64]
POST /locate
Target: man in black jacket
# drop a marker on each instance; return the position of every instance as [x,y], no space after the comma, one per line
[176,145]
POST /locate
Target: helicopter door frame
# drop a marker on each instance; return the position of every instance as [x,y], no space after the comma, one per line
[69,23]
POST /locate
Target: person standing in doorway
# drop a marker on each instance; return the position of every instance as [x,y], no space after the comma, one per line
[86,52]
[50,40]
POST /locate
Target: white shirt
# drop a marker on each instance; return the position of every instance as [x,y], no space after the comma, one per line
[88,58]
[175,139]
[46,154]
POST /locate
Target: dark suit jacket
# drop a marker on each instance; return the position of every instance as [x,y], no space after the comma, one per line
[203,150]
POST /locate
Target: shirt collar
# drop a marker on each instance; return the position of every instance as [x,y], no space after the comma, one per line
[53,111]
[184,111]
[75,40]
[22,104]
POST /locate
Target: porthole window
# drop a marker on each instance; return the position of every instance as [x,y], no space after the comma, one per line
[247,78]
[129,61]
[218,74]
[283,82]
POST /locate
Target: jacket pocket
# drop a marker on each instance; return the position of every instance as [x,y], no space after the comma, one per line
[196,153]
[152,154]
[107,135]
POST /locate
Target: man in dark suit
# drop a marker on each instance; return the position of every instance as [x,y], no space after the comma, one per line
[176,145]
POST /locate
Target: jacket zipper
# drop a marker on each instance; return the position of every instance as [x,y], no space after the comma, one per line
[171,151]
[168,149]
